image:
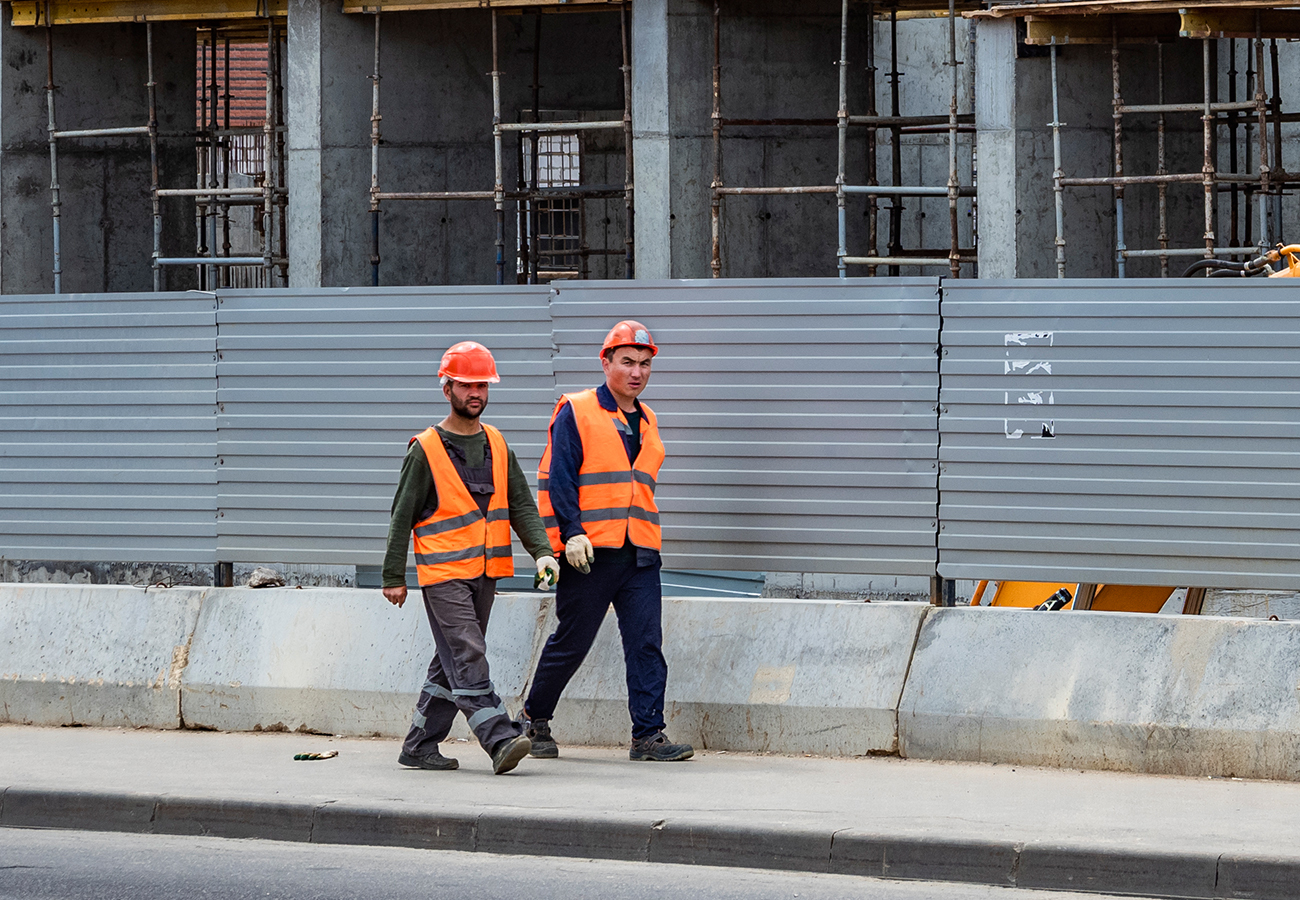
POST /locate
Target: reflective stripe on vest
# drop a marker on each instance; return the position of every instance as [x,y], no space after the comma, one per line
[458,541]
[616,500]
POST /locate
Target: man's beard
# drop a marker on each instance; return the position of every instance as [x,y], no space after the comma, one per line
[462,408]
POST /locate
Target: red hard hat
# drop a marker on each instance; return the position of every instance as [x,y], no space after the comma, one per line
[629,333]
[469,362]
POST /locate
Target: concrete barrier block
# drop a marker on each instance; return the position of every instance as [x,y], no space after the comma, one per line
[923,858]
[84,810]
[1180,695]
[786,676]
[388,826]
[1258,877]
[94,654]
[1113,870]
[581,835]
[331,660]
[272,820]
[716,844]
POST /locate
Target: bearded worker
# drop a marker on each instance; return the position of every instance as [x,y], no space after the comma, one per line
[461,491]
[596,489]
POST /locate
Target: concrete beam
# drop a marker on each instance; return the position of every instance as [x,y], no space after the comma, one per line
[995,127]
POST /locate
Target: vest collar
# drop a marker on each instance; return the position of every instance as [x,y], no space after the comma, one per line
[607,402]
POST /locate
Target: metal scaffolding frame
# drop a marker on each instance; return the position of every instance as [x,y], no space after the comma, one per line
[528,196]
[213,200]
[896,124]
[214,197]
[1264,187]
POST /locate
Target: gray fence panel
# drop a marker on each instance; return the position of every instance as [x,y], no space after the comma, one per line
[321,390]
[799,416]
[1174,410]
[108,427]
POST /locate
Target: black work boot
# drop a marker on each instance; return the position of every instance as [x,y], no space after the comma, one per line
[507,753]
[539,732]
[432,760]
[656,748]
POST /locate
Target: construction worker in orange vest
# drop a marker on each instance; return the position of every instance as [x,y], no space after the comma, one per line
[460,492]
[596,487]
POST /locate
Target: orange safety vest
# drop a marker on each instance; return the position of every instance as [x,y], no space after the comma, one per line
[617,500]
[458,541]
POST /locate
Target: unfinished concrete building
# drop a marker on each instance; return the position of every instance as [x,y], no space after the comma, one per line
[470,142]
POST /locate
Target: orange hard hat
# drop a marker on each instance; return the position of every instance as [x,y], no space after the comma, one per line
[469,362]
[629,333]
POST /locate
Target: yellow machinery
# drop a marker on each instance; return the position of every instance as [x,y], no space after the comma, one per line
[1109,597]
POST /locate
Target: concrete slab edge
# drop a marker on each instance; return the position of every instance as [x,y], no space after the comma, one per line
[1030,865]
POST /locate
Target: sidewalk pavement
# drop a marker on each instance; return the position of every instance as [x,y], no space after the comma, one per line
[887,817]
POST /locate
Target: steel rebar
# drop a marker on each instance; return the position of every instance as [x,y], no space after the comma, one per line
[1207,138]
[715,199]
[374,163]
[268,165]
[55,204]
[498,187]
[1162,188]
[1117,116]
[842,249]
[154,200]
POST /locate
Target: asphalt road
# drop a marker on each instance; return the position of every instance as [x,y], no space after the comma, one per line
[84,865]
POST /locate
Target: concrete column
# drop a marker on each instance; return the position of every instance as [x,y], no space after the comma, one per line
[995,126]
[327,95]
[106,223]
[672,56]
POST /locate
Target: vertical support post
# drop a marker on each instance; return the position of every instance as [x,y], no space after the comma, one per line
[943,591]
[629,235]
[281,159]
[1234,225]
[534,141]
[872,132]
[374,163]
[498,188]
[842,133]
[201,204]
[1207,140]
[268,165]
[1261,107]
[954,246]
[226,98]
[715,199]
[1162,189]
[213,90]
[972,30]
[1194,601]
[1276,104]
[55,203]
[1116,102]
[1250,190]
[153,160]
[223,575]
[1057,174]
[895,247]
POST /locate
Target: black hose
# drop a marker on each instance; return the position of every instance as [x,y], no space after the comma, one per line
[1224,264]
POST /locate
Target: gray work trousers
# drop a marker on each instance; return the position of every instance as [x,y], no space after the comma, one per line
[458,675]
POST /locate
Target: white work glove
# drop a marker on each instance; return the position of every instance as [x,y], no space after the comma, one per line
[548,572]
[579,552]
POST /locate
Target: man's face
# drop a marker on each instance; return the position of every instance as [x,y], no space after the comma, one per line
[467,400]
[627,370]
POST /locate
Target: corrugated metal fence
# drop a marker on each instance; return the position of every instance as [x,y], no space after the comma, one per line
[1130,432]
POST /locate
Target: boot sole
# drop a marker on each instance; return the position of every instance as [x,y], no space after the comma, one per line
[648,758]
[517,750]
[551,752]
[416,762]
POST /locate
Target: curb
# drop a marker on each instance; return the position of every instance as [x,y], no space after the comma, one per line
[1038,865]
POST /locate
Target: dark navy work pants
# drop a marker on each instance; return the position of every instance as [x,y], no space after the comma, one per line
[581,602]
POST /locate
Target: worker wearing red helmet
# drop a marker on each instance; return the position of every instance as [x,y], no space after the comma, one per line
[460,493]
[596,486]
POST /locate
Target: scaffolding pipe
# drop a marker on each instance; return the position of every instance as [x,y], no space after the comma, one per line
[281,158]
[1116,103]
[1162,188]
[955,266]
[268,165]
[533,262]
[895,143]
[1277,130]
[55,203]
[715,201]
[1057,182]
[498,188]
[103,132]
[374,163]
[226,97]
[872,133]
[1207,140]
[842,249]
[153,156]
[1261,106]
[1234,224]
[629,234]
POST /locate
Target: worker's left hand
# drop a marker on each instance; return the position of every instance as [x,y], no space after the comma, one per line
[548,572]
[395,595]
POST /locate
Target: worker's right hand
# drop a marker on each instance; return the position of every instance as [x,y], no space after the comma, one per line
[579,552]
[395,595]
